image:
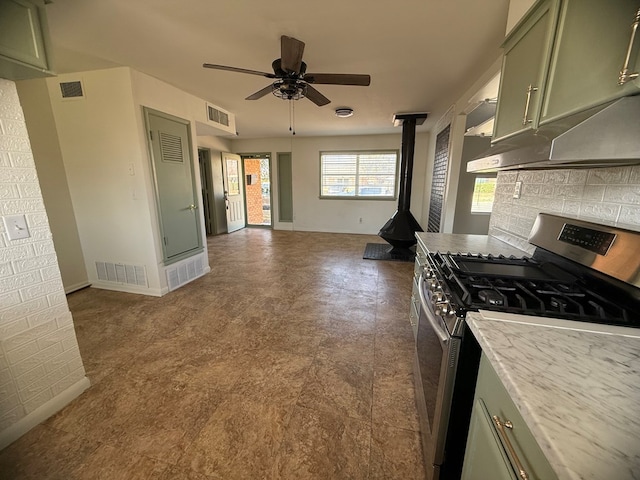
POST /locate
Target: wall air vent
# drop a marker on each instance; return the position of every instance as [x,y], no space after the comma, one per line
[217,116]
[121,273]
[184,272]
[71,89]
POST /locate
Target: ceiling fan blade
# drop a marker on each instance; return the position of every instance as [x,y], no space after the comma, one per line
[316,97]
[238,70]
[260,93]
[291,50]
[338,79]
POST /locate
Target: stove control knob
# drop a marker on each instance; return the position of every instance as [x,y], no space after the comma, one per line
[442,307]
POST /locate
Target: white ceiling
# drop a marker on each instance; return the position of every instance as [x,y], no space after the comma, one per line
[421,54]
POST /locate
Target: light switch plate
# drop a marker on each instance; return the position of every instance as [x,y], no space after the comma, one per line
[16,227]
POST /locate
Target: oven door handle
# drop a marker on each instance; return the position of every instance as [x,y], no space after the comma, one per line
[438,328]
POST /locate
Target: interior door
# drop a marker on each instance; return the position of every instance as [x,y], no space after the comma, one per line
[205,181]
[175,186]
[233,191]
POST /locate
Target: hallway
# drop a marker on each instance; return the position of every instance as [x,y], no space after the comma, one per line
[292,359]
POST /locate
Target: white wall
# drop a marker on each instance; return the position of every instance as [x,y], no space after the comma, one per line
[464,221]
[40,365]
[100,142]
[34,97]
[310,213]
[517,9]
[103,143]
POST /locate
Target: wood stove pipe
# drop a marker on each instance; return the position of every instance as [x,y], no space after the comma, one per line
[400,229]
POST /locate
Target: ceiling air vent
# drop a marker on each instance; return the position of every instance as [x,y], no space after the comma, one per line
[71,89]
[217,116]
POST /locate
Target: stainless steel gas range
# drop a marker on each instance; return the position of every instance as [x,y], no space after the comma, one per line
[579,272]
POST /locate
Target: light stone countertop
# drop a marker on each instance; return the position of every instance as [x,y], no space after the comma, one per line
[463,243]
[578,392]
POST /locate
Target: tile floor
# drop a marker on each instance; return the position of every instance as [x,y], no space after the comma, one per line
[290,360]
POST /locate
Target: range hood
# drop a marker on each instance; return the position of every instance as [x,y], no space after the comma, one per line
[607,135]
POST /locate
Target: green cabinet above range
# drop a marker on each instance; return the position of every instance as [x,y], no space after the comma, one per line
[564,57]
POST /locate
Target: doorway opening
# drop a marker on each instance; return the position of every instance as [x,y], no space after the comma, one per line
[257,177]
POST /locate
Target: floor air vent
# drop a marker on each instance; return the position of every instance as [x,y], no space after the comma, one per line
[71,89]
[121,273]
[178,275]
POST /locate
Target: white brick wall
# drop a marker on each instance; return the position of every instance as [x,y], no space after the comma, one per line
[602,195]
[39,356]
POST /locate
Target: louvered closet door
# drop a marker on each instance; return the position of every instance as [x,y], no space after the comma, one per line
[177,200]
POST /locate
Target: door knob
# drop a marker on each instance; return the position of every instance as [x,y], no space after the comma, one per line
[192,207]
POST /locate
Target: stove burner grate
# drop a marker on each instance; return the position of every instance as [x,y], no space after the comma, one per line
[543,292]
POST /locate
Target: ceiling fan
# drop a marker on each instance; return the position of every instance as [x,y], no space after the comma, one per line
[291,80]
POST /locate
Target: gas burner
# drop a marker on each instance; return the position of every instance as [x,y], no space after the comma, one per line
[491,297]
[520,285]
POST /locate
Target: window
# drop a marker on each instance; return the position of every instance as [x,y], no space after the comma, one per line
[359,174]
[483,193]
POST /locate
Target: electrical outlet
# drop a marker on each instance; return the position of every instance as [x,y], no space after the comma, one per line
[518,190]
[16,227]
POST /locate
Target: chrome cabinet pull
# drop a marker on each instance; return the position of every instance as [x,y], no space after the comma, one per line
[500,425]
[625,76]
[530,90]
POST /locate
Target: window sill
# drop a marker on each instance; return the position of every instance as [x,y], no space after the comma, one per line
[345,197]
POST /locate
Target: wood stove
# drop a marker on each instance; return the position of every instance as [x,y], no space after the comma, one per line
[400,229]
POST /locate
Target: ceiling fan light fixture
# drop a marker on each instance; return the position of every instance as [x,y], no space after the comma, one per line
[288,90]
[344,112]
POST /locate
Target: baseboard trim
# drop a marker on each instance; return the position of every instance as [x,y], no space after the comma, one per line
[122,287]
[40,414]
[76,287]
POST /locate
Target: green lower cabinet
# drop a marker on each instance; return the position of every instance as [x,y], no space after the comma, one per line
[485,458]
[500,452]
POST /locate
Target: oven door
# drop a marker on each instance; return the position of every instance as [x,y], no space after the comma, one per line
[436,362]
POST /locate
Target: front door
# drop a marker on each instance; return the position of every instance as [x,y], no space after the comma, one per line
[175,187]
[233,191]
[257,189]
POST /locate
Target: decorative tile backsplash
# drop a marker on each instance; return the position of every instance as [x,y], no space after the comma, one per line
[602,195]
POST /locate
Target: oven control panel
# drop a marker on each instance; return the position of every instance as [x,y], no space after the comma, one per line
[587,238]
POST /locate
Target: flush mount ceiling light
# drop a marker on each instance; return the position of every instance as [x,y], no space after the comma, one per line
[344,112]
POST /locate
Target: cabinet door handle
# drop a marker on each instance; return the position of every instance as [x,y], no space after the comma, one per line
[625,76]
[530,90]
[500,425]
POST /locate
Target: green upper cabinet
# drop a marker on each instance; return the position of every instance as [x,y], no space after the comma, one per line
[23,40]
[565,56]
[524,67]
[592,41]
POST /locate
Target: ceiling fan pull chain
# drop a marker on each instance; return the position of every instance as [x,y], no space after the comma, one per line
[292,118]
